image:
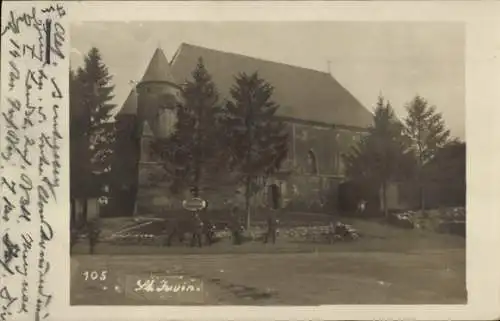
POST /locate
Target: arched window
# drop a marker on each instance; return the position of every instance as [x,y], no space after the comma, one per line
[312,163]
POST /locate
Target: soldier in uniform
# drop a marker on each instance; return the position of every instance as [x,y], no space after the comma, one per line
[272,221]
[331,232]
[197,229]
[272,227]
[208,227]
[235,226]
[361,206]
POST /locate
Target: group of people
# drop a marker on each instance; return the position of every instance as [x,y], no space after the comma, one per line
[237,229]
[202,229]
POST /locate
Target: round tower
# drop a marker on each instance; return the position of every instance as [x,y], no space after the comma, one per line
[157,95]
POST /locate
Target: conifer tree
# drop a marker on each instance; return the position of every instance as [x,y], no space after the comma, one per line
[92,132]
[426,131]
[98,93]
[193,155]
[257,141]
[381,155]
[78,152]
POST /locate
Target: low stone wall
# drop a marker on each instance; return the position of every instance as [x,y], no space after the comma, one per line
[446,220]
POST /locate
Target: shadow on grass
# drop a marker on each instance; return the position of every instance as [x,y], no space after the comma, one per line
[242,291]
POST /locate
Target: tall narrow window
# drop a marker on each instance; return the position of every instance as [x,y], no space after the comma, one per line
[312,163]
[152,154]
[341,165]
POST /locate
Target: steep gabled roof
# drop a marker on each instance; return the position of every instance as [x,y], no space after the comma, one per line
[130,105]
[301,93]
[158,69]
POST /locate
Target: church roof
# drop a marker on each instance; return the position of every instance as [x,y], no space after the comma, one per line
[158,69]
[130,105]
[302,93]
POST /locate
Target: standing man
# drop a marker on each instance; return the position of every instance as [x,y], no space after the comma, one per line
[272,226]
[331,231]
[235,226]
[361,206]
[197,229]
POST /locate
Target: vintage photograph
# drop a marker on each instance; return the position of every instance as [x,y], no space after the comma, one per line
[267,163]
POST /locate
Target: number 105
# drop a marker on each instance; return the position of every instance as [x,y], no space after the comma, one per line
[95,275]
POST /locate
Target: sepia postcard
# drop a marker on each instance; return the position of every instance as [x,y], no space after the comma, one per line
[249,160]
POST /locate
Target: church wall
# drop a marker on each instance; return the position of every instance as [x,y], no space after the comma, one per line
[301,190]
[154,194]
[310,193]
[314,161]
[156,102]
[124,168]
[315,156]
[317,150]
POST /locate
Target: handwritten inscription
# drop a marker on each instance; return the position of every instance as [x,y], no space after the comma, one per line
[11,251]
[35,39]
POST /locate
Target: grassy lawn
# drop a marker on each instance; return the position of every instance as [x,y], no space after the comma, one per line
[386,265]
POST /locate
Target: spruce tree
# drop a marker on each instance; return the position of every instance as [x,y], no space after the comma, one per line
[193,156]
[92,132]
[426,131]
[257,141]
[380,156]
[78,128]
[98,93]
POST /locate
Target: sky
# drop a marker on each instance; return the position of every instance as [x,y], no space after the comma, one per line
[396,59]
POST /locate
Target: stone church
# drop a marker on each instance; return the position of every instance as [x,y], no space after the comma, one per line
[323,118]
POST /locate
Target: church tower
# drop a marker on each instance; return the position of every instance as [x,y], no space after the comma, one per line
[147,114]
[157,96]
